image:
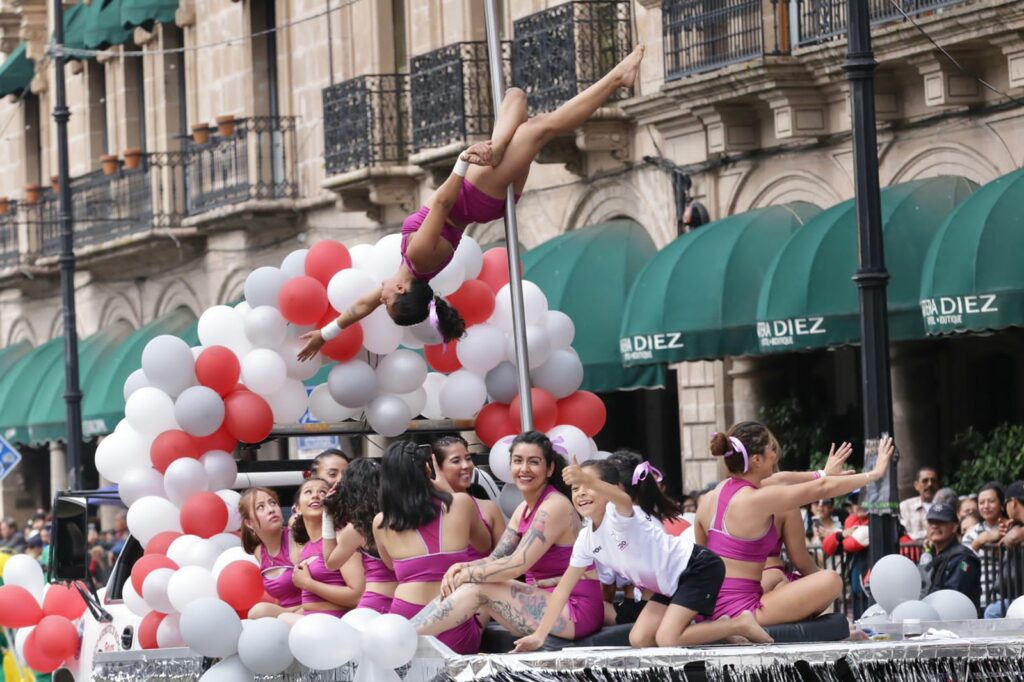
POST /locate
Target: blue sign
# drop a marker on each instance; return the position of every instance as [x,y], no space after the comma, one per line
[307,443]
[9,458]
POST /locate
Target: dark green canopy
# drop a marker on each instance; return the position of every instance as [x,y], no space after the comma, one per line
[103,26]
[146,13]
[16,72]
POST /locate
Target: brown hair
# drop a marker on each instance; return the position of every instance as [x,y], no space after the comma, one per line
[247,508]
[299,532]
[754,436]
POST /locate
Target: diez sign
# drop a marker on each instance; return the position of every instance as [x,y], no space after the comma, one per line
[644,346]
[950,310]
[785,332]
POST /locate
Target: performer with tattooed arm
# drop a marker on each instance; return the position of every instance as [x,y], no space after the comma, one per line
[537,543]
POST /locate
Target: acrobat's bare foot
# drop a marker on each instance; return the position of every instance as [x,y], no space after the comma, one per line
[750,629]
[480,154]
[628,68]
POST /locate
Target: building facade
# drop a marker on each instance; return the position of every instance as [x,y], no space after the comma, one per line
[216,136]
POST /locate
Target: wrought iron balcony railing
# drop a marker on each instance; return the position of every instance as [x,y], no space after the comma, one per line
[562,50]
[821,20]
[451,94]
[257,162]
[10,250]
[701,35]
[366,122]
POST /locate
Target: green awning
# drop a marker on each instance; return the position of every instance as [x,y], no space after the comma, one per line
[973,276]
[146,13]
[20,384]
[103,27]
[10,356]
[16,72]
[75,19]
[809,299]
[103,403]
[587,275]
[697,298]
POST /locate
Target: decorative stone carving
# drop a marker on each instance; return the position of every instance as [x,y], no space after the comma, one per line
[729,127]
[370,190]
[944,84]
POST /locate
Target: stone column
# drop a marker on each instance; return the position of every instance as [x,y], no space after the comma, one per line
[701,411]
[914,409]
[58,469]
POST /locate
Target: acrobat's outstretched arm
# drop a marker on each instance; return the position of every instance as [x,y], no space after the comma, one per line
[316,339]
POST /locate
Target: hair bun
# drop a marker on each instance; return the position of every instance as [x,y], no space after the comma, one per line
[719,444]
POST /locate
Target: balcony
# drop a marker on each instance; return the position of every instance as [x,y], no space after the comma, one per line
[451,99]
[10,250]
[822,20]
[701,35]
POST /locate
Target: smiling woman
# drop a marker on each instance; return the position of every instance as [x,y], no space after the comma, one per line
[457,468]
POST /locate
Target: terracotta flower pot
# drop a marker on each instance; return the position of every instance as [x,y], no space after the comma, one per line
[132,158]
[109,163]
[32,193]
[200,133]
[5,205]
[226,125]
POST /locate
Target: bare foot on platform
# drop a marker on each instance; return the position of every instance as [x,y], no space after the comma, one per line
[750,629]
[628,68]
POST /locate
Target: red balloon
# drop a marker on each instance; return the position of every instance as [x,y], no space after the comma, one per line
[57,637]
[247,417]
[146,565]
[218,368]
[203,514]
[325,259]
[161,541]
[545,411]
[346,345]
[495,270]
[583,410]
[240,585]
[474,300]
[63,600]
[18,608]
[36,659]
[302,300]
[493,423]
[442,357]
[147,629]
[172,445]
[218,440]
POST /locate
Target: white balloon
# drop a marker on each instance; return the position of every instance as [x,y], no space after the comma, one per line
[185,477]
[348,286]
[199,410]
[294,265]
[502,382]
[560,328]
[151,515]
[952,605]
[914,609]
[390,640]
[222,325]
[380,333]
[211,628]
[894,580]
[20,635]
[573,440]
[289,402]
[352,384]
[499,460]
[263,285]
[388,415]
[224,542]
[462,395]
[448,281]
[201,554]
[301,370]
[387,257]
[150,412]
[263,371]
[188,584]
[1015,610]
[168,632]
[432,387]
[402,371]
[600,455]
[133,600]
[323,642]
[323,408]
[537,345]
[482,349]
[561,375]
[425,333]
[197,351]
[242,308]
[263,646]
[362,256]
[221,469]
[470,256]
[360,618]
[416,400]
[231,669]
[134,382]
[231,499]
[265,327]
[24,571]
[168,364]
[122,452]
[230,556]
[509,498]
[177,551]
[154,590]
[535,305]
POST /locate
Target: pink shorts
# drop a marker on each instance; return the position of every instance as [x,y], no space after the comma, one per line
[378,602]
[337,613]
[462,639]
[736,596]
[586,607]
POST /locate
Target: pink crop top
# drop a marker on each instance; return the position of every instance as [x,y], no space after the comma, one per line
[554,562]
[472,552]
[375,570]
[280,587]
[429,567]
[318,570]
[731,547]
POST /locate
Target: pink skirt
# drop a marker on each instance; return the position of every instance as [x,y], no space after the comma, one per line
[462,639]
[378,602]
[736,596]
[586,607]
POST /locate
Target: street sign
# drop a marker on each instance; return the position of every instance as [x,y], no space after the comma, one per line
[310,444]
[9,458]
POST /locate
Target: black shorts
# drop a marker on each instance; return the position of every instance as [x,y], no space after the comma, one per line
[699,584]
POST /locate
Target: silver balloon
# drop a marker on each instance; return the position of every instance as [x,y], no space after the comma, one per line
[134,382]
[294,264]
[952,605]
[894,580]
[388,415]
[352,384]
[914,610]
[168,364]
[263,285]
[508,499]
[199,410]
[561,375]
[502,383]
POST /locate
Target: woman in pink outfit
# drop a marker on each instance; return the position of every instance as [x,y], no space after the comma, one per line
[265,536]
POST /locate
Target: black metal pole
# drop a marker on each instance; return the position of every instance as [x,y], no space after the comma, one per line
[871,279]
[72,392]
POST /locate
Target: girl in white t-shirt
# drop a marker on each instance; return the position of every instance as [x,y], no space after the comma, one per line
[628,539]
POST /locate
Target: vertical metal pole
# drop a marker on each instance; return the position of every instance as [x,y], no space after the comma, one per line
[515,274]
[66,260]
[871,279]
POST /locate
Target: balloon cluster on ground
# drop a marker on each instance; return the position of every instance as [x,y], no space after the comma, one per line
[895,584]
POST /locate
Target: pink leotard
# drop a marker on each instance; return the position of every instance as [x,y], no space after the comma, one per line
[281,587]
[586,602]
[472,552]
[318,571]
[376,572]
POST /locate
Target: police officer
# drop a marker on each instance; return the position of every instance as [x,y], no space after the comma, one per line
[946,564]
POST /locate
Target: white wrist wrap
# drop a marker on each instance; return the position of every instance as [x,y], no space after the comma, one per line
[331,330]
[327,527]
[822,474]
[461,166]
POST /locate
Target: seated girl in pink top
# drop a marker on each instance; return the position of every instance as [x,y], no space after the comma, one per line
[265,536]
[323,590]
[736,521]
[471,195]
[421,531]
[353,506]
[538,544]
[456,466]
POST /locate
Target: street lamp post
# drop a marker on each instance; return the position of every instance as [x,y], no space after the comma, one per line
[871,278]
[66,260]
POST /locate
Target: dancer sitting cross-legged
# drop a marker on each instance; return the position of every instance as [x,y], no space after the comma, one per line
[790,529]
[456,466]
[471,194]
[265,536]
[537,544]
[737,522]
[631,541]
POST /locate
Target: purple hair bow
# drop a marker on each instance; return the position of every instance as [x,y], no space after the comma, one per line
[736,447]
[643,470]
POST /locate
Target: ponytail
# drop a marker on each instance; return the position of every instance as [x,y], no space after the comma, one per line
[414,306]
[646,493]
